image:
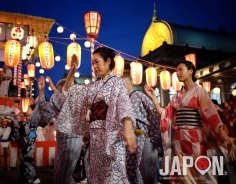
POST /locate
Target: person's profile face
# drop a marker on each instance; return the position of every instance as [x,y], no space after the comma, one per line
[183,73]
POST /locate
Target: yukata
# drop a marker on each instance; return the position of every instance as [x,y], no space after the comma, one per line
[5,83]
[186,122]
[109,103]
[149,137]
[26,136]
[68,146]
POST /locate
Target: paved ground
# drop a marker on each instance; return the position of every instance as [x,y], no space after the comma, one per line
[45,174]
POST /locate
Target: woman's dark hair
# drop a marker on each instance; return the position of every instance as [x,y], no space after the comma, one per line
[190,66]
[107,53]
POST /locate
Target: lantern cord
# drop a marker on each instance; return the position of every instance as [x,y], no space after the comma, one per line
[138,59]
[67,44]
[67,38]
[68,29]
[133,57]
[76,69]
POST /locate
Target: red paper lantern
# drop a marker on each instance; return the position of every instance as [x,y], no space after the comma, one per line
[165,80]
[175,82]
[73,48]
[31,70]
[12,53]
[119,65]
[136,72]
[207,86]
[46,55]
[151,76]
[192,58]
[92,20]
[25,104]
[26,80]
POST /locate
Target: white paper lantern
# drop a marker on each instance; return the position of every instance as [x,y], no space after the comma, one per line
[57,58]
[77,74]
[60,29]
[41,71]
[87,44]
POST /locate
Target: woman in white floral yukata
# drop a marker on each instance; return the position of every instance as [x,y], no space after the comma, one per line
[112,120]
[193,117]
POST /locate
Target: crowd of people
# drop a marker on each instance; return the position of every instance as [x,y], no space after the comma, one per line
[126,132]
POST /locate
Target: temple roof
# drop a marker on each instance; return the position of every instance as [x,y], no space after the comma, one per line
[196,37]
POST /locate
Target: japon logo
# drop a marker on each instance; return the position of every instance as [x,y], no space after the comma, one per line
[202,164]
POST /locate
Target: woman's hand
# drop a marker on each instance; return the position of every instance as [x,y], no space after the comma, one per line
[50,83]
[41,83]
[130,139]
[129,135]
[223,132]
[74,62]
[150,92]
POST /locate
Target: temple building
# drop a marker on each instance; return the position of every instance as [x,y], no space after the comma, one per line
[166,44]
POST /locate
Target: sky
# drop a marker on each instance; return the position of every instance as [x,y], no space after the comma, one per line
[123,24]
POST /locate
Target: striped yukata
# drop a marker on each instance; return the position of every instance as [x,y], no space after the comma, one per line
[193,117]
[68,147]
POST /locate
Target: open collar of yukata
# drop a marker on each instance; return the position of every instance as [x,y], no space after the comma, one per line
[111,74]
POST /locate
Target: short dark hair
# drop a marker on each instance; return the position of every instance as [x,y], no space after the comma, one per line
[106,54]
[60,83]
[17,101]
[32,106]
[190,66]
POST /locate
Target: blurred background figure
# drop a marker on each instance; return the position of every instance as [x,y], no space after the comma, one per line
[6,78]
[5,144]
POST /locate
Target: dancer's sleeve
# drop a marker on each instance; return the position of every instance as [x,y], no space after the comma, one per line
[72,116]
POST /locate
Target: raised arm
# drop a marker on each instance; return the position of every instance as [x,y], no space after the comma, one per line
[151,93]
[50,83]
[70,76]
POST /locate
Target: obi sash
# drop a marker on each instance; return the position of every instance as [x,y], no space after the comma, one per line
[99,111]
[188,117]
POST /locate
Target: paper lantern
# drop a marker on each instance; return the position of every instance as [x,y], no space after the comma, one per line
[92,20]
[207,86]
[26,80]
[165,80]
[119,65]
[32,42]
[46,55]
[136,72]
[25,104]
[73,48]
[151,76]
[216,90]
[22,85]
[86,81]
[175,82]
[234,92]
[192,58]
[17,33]
[31,70]
[12,53]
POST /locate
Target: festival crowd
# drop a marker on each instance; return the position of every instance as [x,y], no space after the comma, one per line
[127,134]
